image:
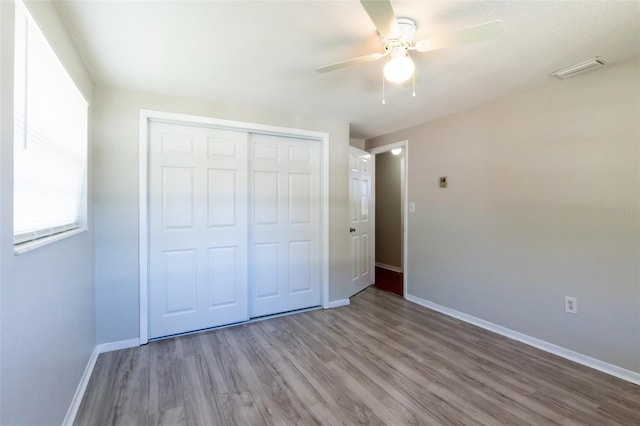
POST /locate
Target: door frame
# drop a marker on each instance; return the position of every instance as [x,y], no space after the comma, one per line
[147,116]
[404,211]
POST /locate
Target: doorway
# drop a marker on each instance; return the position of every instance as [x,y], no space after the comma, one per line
[389,191]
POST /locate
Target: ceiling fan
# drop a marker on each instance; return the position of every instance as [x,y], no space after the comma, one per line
[397,34]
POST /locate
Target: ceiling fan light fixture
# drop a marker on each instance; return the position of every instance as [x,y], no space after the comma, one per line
[399,69]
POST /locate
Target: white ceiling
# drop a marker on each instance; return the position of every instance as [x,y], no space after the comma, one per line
[263,53]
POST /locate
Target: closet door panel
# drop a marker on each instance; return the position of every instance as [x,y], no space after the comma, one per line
[197,228]
[284,213]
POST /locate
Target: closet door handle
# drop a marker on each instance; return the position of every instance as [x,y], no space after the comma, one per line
[352,229]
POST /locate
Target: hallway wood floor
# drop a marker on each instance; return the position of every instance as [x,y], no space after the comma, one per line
[381,360]
[389,281]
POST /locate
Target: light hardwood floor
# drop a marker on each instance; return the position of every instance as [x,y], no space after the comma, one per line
[381,360]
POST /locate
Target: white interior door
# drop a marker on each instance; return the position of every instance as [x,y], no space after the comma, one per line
[197,228]
[360,207]
[285,224]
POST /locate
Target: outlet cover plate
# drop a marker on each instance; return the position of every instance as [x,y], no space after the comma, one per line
[570,305]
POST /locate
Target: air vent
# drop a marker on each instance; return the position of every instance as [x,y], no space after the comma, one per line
[576,69]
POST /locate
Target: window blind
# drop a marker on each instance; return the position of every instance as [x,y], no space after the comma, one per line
[50,138]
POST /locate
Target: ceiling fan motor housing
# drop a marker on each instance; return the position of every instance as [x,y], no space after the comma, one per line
[407,29]
[398,45]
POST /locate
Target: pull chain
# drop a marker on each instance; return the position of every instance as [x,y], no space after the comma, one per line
[413,76]
[383,101]
[414,84]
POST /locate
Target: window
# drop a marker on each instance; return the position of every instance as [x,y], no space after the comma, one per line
[50,139]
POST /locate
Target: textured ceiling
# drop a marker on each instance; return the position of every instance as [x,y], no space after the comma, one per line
[263,53]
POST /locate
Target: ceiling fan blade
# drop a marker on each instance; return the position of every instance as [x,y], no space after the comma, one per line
[482,32]
[353,61]
[383,17]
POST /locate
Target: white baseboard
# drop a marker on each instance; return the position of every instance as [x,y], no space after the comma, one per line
[338,303]
[605,367]
[389,267]
[84,380]
[116,346]
[82,387]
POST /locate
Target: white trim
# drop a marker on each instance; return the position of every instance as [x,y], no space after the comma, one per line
[86,376]
[28,246]
[80,390]
[143,229]
[116,346]
[325,220]
[605,367]
[388,267]
[338,303]
[178,118]
[404,208]
[388,147]
[405,222]
[372,218]
[143,239]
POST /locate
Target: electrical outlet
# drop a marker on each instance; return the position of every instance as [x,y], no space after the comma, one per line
[570,305]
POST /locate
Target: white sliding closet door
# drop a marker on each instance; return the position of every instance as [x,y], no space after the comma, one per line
[285,224]
[197,228]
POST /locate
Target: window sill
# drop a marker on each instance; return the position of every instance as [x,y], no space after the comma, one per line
[33,245]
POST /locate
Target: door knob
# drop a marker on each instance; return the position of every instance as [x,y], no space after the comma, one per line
[352,229]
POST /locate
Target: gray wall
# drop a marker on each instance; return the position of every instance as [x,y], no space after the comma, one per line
[357,143]
[117,167]
[388,209]
[543,202]
[48,311]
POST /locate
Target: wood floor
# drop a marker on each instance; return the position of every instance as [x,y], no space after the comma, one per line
[389,281]
[381,360]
